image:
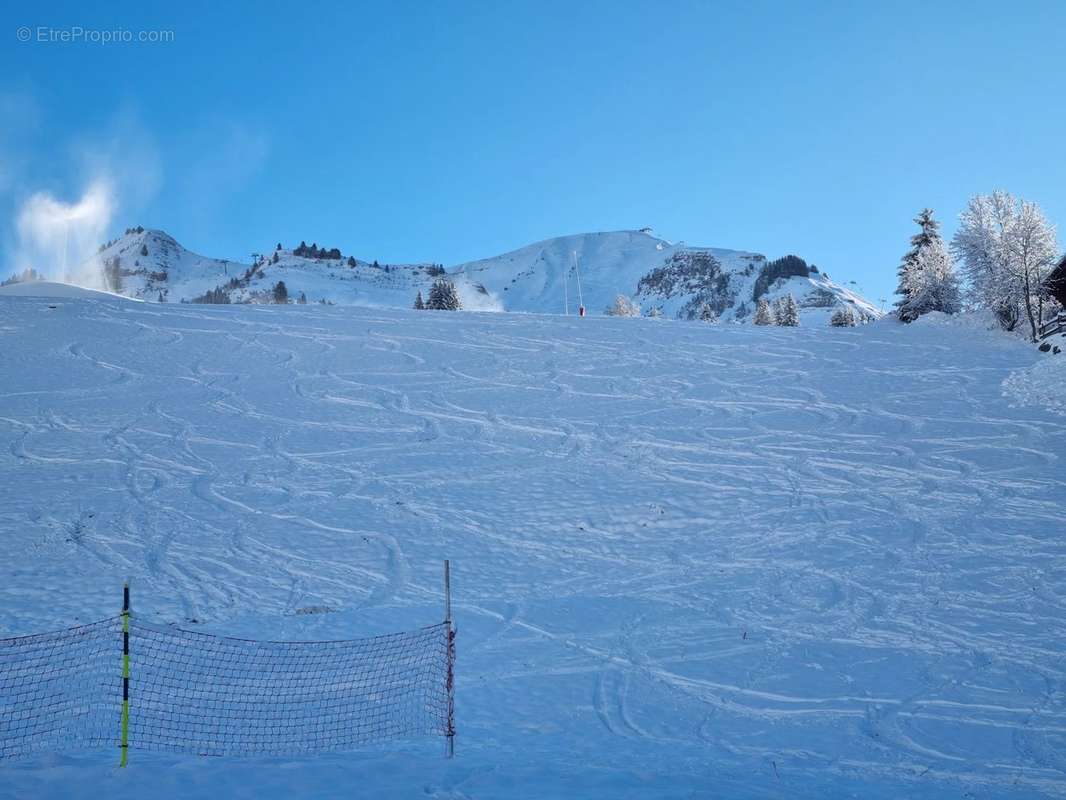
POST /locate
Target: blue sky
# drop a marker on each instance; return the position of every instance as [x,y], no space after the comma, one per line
[440,131]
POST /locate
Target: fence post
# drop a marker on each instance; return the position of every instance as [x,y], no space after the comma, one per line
[124,745]
[451,657]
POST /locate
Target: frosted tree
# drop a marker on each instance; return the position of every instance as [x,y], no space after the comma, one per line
[763,314]
[443,296]
[787,312]
[980,244]
[419,302]
[843,317]
[622,307]
[1032,250]
[933,284]
[1007,250]
[927,279]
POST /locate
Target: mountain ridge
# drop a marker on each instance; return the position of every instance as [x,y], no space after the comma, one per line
[553,275]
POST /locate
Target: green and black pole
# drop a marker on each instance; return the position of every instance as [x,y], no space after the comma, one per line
[124,745]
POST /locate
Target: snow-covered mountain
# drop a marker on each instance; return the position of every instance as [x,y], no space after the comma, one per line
[551,276]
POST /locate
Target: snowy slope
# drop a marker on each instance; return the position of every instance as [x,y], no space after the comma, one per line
[546,277]
[153,266]
[52,289]
[672,278]
[689,560]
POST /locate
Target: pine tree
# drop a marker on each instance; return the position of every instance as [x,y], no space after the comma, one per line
[935,286]
[144,249]
[443,297]
[788,312]
[927,279]
[281,293]
[351,261]
[908,267]
[419,303]
[302,299]
[274,260]
[763,314]
[843,317]
[622,307]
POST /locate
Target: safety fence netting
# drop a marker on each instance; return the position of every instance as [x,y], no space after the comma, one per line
[198,693]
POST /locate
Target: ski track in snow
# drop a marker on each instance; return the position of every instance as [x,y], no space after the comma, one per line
[791,562]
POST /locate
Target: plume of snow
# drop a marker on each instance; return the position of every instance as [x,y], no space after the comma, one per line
[58,239]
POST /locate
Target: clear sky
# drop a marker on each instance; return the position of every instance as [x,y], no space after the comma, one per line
[447,131]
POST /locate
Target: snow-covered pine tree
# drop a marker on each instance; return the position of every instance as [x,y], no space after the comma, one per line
[843,317]
[935,286]
[443,297]
[910,268]
[788,312]
[419,302]
[622,307]
[763,313]
[708,314]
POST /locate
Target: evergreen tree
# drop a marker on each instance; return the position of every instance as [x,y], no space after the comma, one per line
[929,231]
[708,314]
[302,300]
[278,247]
[788,312]
[419,303]
[274,260]
[144,249]
[443,297]
[622,307]
[351,261]
[934,286]
[843,317]
[281,294]
[763,314]
[927,279]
